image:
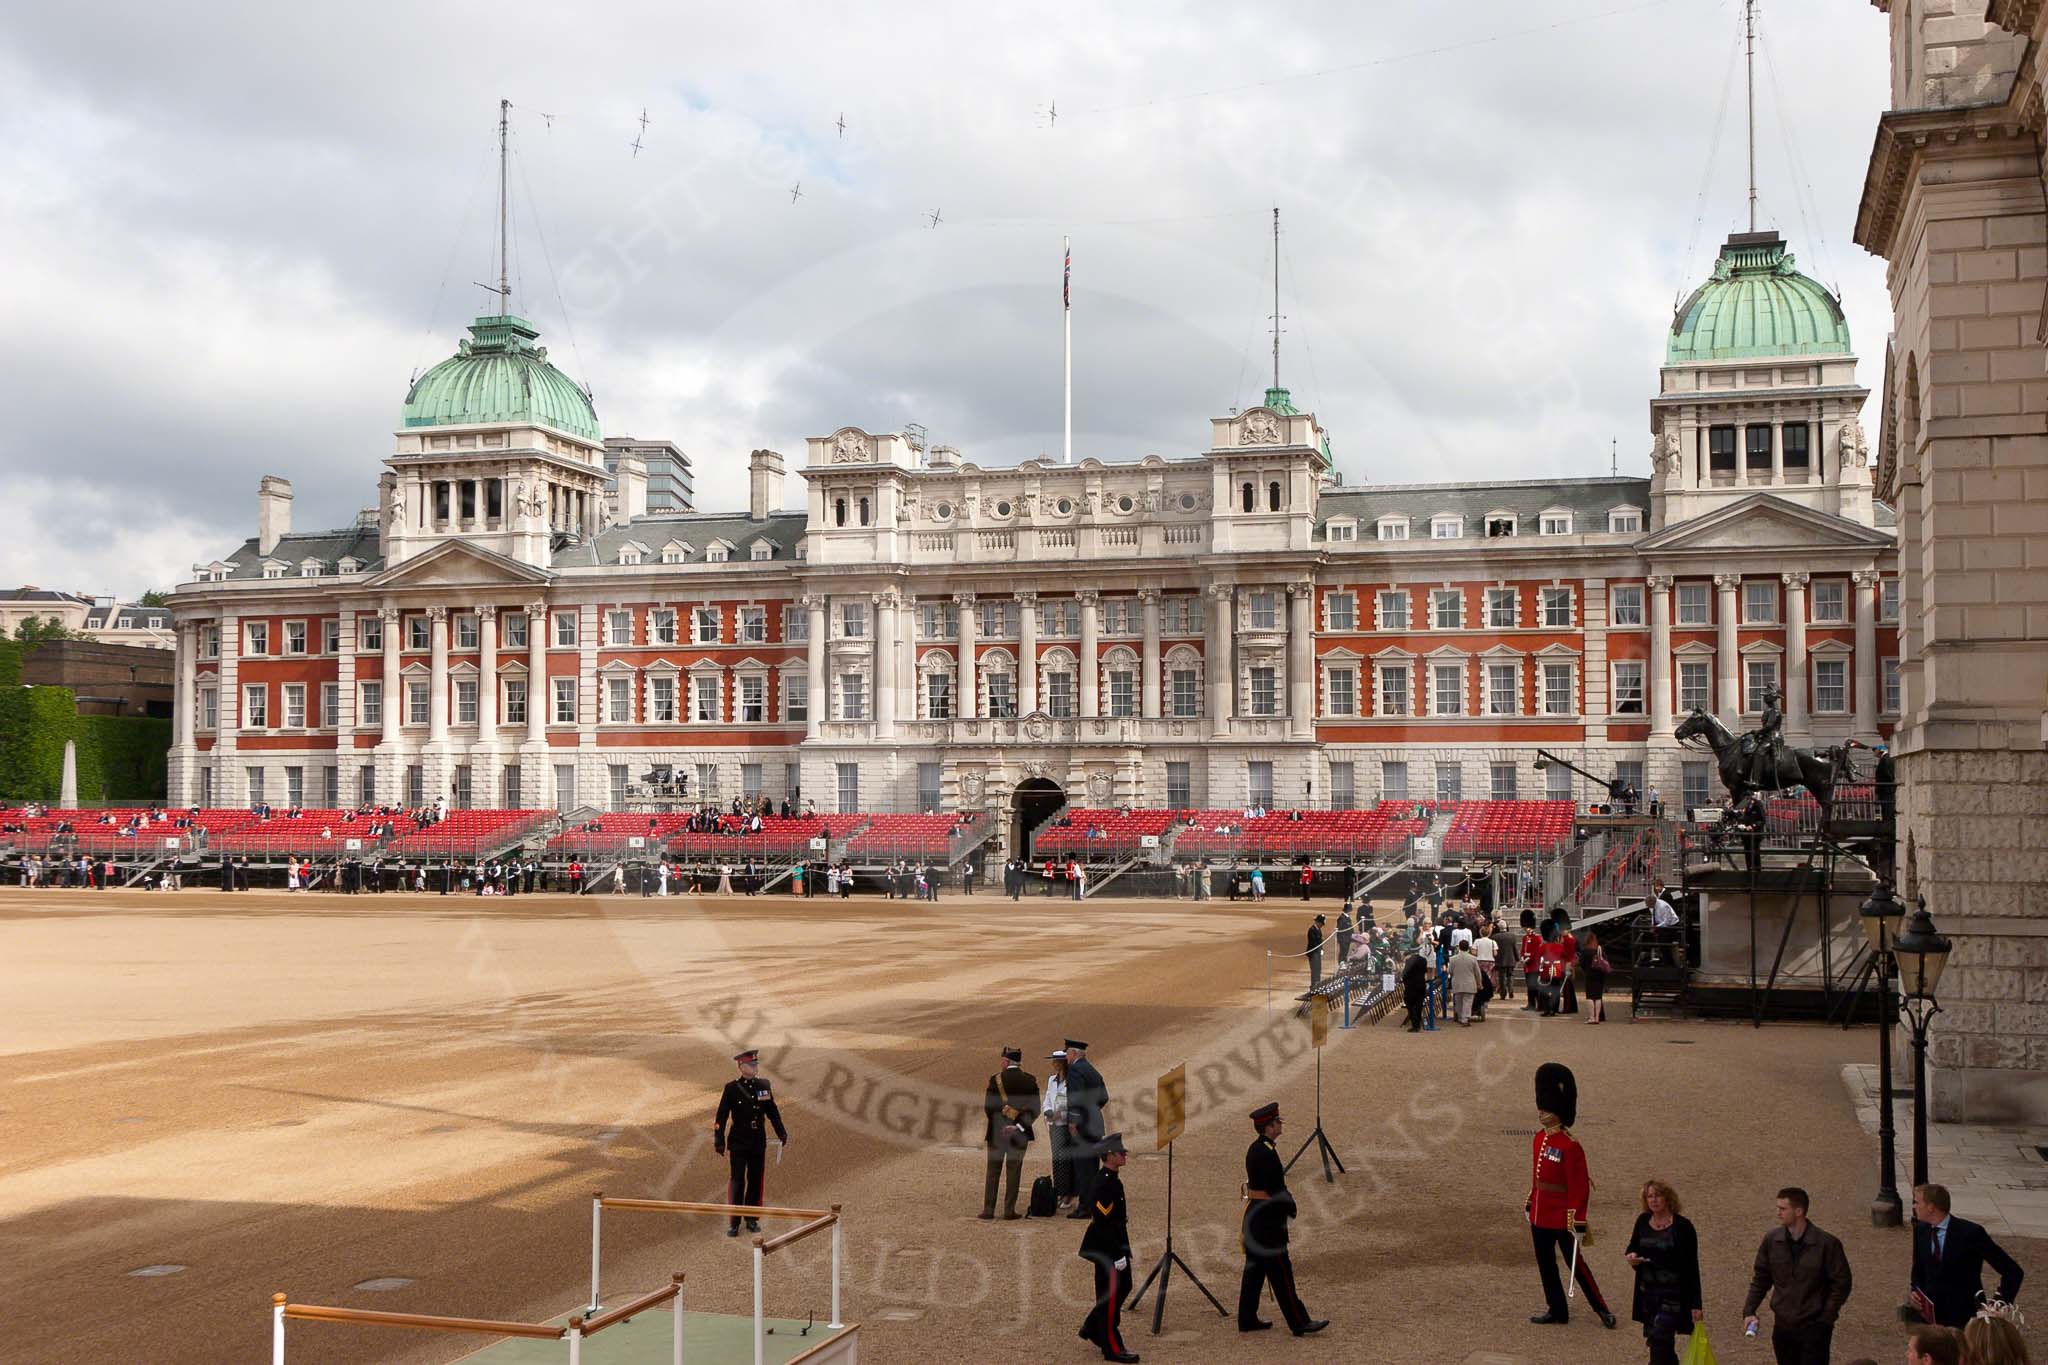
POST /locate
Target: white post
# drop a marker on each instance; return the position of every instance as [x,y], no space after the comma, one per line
[1067,312]
[676,1330]
[575,1344]
[277,1330]
[836,1248]
[596,1223]
[760,1337]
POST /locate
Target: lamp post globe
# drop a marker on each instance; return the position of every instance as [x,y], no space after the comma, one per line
[1922,955]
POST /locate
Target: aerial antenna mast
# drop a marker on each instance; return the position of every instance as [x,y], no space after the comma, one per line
[1276,296]
[503,288]
[1749,50]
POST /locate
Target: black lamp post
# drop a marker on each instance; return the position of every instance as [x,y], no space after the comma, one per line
[1881,914]
[1922,956]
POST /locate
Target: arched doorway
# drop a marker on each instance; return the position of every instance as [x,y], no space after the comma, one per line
[1031,804]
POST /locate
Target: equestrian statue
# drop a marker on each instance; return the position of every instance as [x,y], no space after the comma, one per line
[1761,761]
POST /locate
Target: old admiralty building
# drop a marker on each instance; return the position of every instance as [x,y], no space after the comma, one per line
[1231,625]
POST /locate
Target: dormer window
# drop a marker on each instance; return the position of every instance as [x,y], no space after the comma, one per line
[1343,532]
[719,553]
[1446,528]
[761,550]
[274,568]
[674,552]
[1500,525]
[348,565]
[1556,524]
[1624,521]
[1393,528]
[309,568]
[630,555]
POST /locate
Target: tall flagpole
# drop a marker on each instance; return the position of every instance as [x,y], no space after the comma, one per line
[1749,25]
[1067,312]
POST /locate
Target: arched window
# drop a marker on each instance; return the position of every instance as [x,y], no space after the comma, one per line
[839,512]
[1250,499]
[863,511]
[1272,497]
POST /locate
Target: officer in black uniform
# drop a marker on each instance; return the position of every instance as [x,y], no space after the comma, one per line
[1107,1246]
[1268,1208]
[747,1101]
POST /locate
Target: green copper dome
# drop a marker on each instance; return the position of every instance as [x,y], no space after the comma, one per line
[499,375]
[1756,304]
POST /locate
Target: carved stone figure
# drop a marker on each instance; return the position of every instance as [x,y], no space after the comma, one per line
[532,500]
[972,783]
[1668,456]
[850,447]
[1259,429]
[1855,450]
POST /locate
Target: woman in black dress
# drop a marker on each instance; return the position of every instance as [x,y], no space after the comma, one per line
[1665,1253]
[1595,964]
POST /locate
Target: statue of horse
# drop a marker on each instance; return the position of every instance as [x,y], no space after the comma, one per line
[1818,772]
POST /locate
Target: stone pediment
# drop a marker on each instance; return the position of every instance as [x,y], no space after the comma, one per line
[456,563]
[1763,522]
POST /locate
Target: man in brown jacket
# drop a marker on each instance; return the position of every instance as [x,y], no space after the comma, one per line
[1807,1276]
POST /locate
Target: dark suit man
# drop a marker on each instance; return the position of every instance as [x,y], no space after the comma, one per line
[1012,1107]
[1949,1256]
[1268,1209]
[1315,953]
[1087,1096]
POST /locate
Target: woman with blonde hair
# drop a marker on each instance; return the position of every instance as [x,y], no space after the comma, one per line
[1993,1339]
[1664,1251]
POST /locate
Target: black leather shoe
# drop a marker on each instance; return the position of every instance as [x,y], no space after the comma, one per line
[753,1225]
[1079,1213]
[1256,1325]
[1607,1320]
[733,1231]
[1312,1326]
[1549,1320]
[985,1215]
[1011,1215]
[1121,1357]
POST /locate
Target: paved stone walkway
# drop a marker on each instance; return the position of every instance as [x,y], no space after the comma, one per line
[1996,1176]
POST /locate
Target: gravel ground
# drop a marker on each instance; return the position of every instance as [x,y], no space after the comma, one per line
[306,1093]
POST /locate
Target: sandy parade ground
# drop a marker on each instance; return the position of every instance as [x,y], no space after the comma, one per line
[307,1093]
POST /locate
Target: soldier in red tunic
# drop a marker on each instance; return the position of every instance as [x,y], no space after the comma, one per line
[1559,1191]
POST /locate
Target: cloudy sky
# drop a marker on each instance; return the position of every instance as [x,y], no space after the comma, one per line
[231,234]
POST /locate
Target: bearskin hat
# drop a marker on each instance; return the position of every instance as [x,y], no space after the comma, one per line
[1557,1092]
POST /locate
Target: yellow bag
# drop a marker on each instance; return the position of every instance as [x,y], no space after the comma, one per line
[1697,1351]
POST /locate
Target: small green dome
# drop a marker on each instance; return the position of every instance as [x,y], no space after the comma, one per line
[499,375]
[1756,304]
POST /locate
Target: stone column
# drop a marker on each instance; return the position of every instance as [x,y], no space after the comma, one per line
[1027,653]
[885,664]
[187,694]
[1660,656]
[1778,450]
[1148,702]
[1091,683]
[968,704]
[394,686]
[487,680]
[814,662]
[538,699]
[1222,671]
[1727,658]
[1865,668]
[1301,659]
[437,686]
[1794,681]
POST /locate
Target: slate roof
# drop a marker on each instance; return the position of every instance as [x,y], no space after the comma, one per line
[128,617]
[697,529]
[329,547]
[1588,500]
[39,595]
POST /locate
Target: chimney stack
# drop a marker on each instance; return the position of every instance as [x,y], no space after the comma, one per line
[273,512]
[631,476]
[764,484]
[942,457]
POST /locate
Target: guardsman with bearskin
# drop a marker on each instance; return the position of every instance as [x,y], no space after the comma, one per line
[1559,1190]
[749,1102]
[1107,1246]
